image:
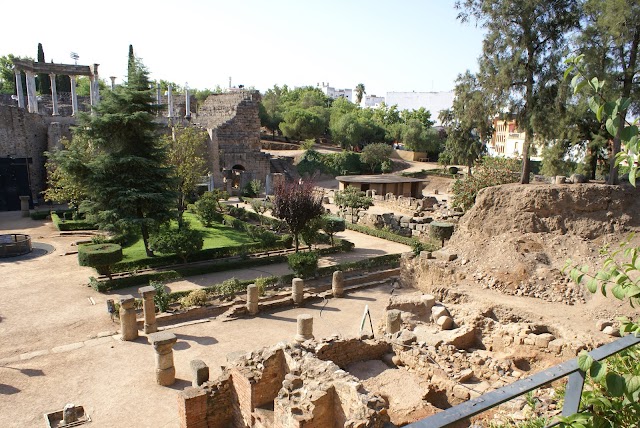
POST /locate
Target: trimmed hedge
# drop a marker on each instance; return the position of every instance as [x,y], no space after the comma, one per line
[69,225]
[390,236]
[99,256]
[39,215]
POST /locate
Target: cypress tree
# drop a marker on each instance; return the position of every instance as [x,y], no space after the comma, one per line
[43,83]
[131,65]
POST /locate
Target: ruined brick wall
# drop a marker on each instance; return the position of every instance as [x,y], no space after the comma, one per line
[344,352]
[28,135]
[233,124]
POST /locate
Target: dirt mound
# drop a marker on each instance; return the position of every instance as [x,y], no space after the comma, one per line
[517,239]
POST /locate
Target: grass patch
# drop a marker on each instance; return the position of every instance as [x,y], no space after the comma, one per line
[216,236]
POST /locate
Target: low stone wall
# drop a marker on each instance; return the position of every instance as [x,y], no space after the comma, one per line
[345,352]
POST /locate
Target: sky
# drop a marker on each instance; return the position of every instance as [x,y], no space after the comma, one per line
[402,45]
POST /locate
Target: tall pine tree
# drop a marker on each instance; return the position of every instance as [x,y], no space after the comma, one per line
[521,52]
[128,181]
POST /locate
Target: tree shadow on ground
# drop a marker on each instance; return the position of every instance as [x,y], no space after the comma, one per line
[201,340]
[8,389]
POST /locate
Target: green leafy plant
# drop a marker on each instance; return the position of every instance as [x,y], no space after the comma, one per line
[230,287]
[417,247]
[183,241]
[332,225]
[100,256]
[207,208]
[304,265]
[161,299]
[195,298]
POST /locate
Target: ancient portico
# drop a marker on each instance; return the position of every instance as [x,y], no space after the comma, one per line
[32,68]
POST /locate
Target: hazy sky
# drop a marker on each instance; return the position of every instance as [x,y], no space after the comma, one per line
[388,45]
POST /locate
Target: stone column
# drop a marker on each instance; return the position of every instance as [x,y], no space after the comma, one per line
[19,89]
[24,205]
[394,321]
[74,96]
[163,344]
[297,290]
[252,299]
[54,93]
[128,323]
[158,98]
[149,309]
[113,82]
[94,88]
[187,102]
[337,284]
[305,328]
[170,101]
[69,414]
[31,92]
[199,372]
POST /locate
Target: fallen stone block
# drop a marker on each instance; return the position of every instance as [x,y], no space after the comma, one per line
[445,322]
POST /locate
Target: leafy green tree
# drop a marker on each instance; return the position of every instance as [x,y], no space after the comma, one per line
[129,184]
[186,155]
[182,242]
[272,108]
[521,51]
[332,225]
[300,124]
[360,91]
[416,137]
[296,204]
[422,115]
[376,153]
[208,208]
[354,199]
[43,82]
[610,43]
[67,172]
[7,75]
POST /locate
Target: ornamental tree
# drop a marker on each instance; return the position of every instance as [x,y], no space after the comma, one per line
[296,204]
[354,199]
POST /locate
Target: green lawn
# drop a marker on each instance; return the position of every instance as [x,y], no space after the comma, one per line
[216,236]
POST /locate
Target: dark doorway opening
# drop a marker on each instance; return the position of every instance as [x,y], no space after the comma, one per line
[14,182]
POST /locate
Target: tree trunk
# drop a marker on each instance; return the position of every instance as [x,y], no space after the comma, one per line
[592,155]
[145,234]
[469,166]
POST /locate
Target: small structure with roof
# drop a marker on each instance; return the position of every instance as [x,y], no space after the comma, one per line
[383,184]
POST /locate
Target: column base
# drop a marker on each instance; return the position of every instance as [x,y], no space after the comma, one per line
[150,328]
[300,338]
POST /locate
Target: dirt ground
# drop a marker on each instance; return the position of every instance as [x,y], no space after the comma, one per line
[58,347]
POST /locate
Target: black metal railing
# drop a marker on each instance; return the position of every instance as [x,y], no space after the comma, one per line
[494,398]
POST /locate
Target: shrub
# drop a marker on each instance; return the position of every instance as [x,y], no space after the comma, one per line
[100,256]
[491,172]
[304,265]
[161,299]
[253,188]
[207,207]
[195,298]
[287,240]
[183,241]
[230,286]
[39,215]
[69,225]
[390,236]
[332,225]
[417,247]
[453,170]
[387,166]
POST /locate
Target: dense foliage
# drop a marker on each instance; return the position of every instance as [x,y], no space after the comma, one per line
[490,172]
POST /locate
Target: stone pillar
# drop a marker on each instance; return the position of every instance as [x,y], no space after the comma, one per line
[394,321]
[149,309]
[24,205]
[297,291]
[69,414]
[187,102]
[74,96]
[54,93]
[158,97]
[252,299]
[94,88]
[305,328]
[163,344]
[31,92]
[128,323]
[113,82]
[337,284]
[19,89]
[170,101]
[199,373]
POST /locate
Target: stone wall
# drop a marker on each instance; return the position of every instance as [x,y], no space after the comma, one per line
[28,135]
[234,128]
[289,386]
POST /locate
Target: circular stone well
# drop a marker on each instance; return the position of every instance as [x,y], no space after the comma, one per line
[15,244]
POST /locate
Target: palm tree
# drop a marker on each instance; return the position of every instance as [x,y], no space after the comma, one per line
[359,92]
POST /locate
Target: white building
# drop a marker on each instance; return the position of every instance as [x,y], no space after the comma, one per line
[371,101]
[334,93]
[432,101]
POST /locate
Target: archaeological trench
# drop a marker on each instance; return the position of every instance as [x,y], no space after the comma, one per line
[452,330]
